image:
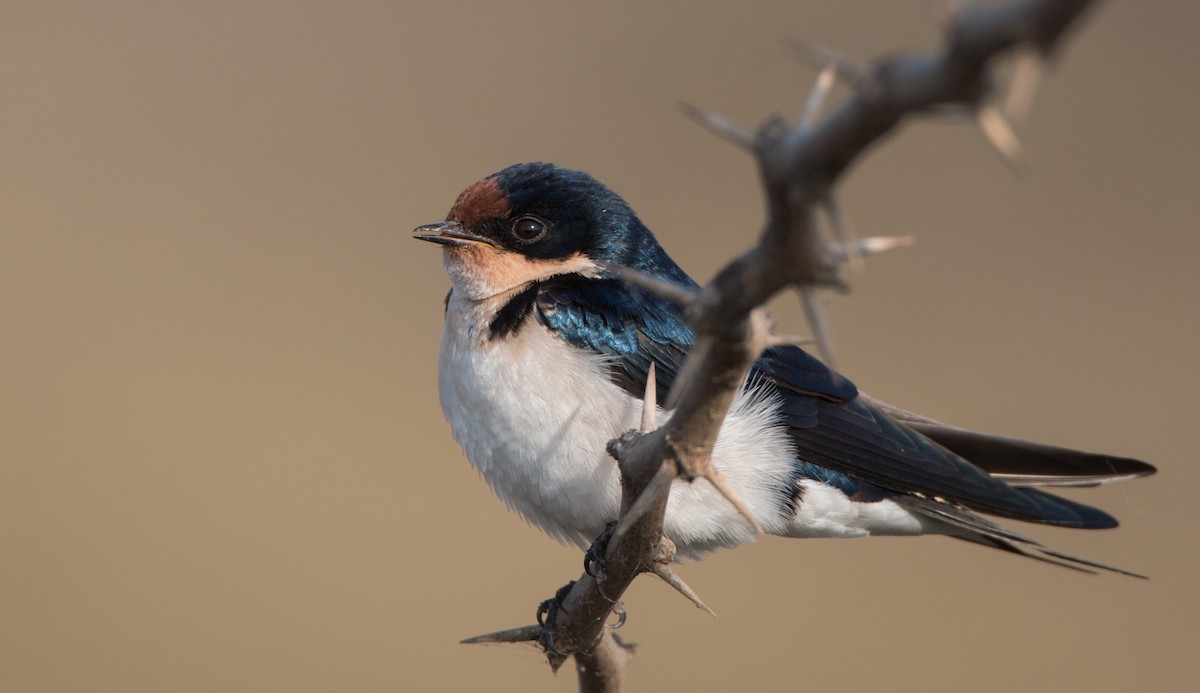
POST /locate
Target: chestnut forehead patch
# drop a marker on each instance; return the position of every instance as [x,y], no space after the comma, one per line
[479,201]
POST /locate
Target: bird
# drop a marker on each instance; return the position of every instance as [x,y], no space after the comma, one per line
[545,356]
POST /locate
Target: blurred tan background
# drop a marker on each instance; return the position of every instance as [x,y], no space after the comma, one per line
[222,462]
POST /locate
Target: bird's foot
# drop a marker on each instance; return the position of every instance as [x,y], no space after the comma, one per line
[593,558]
[547,611]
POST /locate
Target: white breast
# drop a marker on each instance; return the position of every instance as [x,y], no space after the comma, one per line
[531,418]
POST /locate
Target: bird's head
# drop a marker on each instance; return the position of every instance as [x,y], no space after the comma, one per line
[530,222]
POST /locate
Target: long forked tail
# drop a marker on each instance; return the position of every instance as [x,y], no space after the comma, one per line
[971,527]
[1017,462]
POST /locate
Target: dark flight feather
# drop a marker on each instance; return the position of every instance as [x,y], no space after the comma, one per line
[832,427]
[1021,462]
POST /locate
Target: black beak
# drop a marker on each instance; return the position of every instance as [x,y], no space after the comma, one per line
[449,233]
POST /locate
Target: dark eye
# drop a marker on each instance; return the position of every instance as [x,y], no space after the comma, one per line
[528,229]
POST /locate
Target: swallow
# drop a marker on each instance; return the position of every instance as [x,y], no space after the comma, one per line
[544,360]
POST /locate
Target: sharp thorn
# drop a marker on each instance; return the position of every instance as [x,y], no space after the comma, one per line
[999,133]
[722,485]
[522,634]
[650,402]
[761,323]
[1026,76]
[663,570]
[775,340]
[720,126]
[675,293]
[821,57]
[872,245]
[816,97]
[816,320]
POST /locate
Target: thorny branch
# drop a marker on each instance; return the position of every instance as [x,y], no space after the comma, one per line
[799,164]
